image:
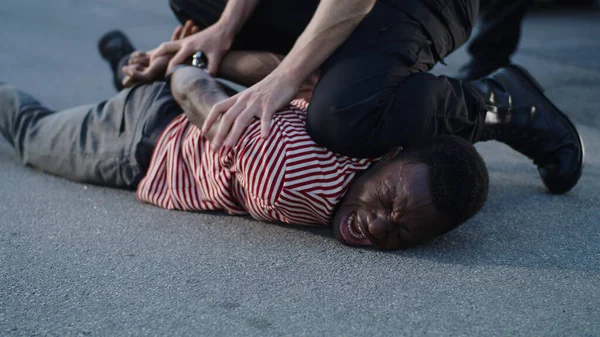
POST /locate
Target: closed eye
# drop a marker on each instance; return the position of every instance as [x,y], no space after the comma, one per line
[384,197]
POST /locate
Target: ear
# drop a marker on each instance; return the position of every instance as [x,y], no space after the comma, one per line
[391,154]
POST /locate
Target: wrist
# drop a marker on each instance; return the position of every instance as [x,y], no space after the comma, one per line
[290,74]
[227,28]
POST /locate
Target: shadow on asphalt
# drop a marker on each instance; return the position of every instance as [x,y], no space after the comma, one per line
[512,241]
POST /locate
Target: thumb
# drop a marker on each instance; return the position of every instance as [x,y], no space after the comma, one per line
[166,48]
[180,57]
[213,68]
[214,62]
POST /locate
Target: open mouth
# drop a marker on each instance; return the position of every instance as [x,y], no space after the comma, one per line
[351,231]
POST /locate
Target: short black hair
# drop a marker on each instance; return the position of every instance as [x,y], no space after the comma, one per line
[458,176]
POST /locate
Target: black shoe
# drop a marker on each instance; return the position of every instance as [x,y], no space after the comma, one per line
[475,69]
[113,46]
[521,116]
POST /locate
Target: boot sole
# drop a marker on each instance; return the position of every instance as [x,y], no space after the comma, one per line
[564,117]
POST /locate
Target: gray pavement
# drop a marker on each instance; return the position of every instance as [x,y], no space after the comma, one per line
[84,260]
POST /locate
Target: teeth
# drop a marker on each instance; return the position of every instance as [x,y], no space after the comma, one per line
[351,228]
[360,232]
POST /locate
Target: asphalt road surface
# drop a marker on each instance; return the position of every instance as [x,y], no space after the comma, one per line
[92,261]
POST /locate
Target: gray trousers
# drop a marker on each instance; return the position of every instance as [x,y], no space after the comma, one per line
[109,143]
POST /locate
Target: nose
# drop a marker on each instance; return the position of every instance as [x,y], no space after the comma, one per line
[378,227]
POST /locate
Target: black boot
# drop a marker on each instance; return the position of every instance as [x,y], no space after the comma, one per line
[115,47]
[521,116]
[475,69]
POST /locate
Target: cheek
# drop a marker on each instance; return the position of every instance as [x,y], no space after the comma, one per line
[363,196]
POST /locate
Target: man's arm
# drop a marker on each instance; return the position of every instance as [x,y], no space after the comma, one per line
[197,92]
[248,67]
[215,40]
[331,25]
[236,13]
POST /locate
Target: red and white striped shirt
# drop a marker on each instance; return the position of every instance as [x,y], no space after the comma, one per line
[286,177]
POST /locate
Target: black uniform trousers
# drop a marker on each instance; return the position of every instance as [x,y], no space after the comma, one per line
[499,30]
[375,92]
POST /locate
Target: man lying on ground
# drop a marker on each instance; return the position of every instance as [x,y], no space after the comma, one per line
[140,139]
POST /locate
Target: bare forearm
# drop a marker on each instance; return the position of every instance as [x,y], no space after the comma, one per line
[191,85]
[196,92]
[248,67]
[241,67]
[236,13]
[331,25]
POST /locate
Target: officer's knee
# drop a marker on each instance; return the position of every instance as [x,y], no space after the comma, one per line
[342,128]
[374,125]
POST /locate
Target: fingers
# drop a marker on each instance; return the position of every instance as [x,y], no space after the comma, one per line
[176,33]
[236,113]
[265,124]
[180,49]
[237,129]
[136,77]
[228,118]
[139,57]
[138,53]
[213,65]
[129,69]
[182,54]
[187,29]
[166,48]
[181,32]
[215,113]
[139,74]
[132,72]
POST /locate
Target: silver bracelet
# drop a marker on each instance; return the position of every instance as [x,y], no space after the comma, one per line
[199,60]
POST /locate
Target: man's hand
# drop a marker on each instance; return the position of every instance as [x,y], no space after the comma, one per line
[260,100]
[331,25]
[214,41]
[142,68]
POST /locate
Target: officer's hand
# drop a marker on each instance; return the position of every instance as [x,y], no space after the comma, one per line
[214,41]
[143,68]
